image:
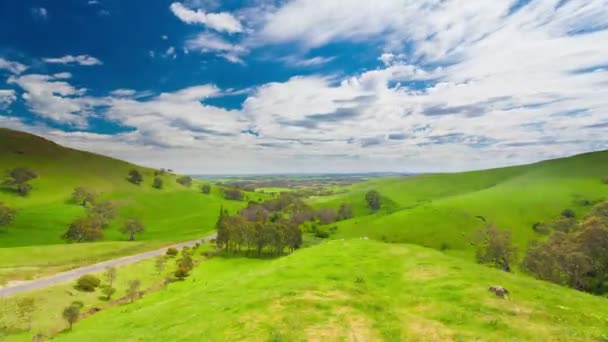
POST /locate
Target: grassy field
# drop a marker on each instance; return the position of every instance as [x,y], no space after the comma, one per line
[33,241]
[444,209]
[352,290]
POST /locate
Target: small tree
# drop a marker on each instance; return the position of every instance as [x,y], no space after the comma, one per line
[108,291]
[159,264]
[568,213]
[102,213]
[345,212]
[82,196]
[494,246]
[133,290]
[157,183]
[25,309]
[83,229]
[233,194]
[171,251]
[181,273]
[206,189]
[110,275]
[135,177]
[132,227]
[7,214]
[71,314]
[18,179]
[88,283]
[374,200]
[185,181]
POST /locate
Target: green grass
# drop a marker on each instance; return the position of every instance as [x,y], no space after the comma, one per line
[443,209]
[175,213]
[352,290]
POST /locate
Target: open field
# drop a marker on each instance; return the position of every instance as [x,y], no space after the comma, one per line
[347,289]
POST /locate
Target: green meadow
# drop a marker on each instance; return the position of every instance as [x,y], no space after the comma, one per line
[352,290]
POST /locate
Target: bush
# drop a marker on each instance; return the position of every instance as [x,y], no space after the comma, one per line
[321,234]
[541,228]
[172,252]
[569,213]
[88,282]
[605,180]
[181,273]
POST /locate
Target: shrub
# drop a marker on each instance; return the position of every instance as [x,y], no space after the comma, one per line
[88,282]
[7,214]
[541,228]
[444,246]
[321,234]
[605,180]
[569,213]
[171,251]
[181,273]
[185,181]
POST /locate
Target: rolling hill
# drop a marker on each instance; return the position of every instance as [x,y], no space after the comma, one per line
[353,290]
[32,244]
[442,210]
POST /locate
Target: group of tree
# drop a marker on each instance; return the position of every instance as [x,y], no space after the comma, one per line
[576,257]
[98,216]
[18,180]
[185,181]
[233,194]
[7,214]
[270,235]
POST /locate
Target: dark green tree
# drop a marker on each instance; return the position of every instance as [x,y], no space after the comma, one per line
[135,177]
[374,200]
[18,179]
[7,214]
[157,183]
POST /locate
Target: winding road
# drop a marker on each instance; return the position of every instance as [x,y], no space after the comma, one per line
[77,272]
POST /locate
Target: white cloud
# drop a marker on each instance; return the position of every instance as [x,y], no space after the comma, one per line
[85,60]
[307,62]
[223,22]
[7,96]
[13,67]
[52,98]
[210,43]
[170,53]
[123,92]
[93,2]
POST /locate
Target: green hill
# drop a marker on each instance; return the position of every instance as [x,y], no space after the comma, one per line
[442,210]
[352,290]
[32,243]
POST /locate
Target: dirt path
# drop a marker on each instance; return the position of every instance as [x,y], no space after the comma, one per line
[77,272]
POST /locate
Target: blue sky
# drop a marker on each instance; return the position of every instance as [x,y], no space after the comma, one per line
[258,86]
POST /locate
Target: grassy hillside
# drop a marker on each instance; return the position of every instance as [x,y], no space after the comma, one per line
[174,213]
[352,290]
[444,209]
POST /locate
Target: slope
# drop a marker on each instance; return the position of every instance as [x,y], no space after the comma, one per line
[33,241]
[442,210]
[352,290]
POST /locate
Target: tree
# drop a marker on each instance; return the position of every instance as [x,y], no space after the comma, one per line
[374,201]
[83,229]
[494,246]
[71,314]
[88,283]
[83,196]
[133,289]
[102,213]
[569,213]
[326,215]
[345,212]
[18,179]
[206,189]
[133,226]
[25,309]
[233,194]
[7,214]
[110,275]
[181,273]
[135,177]
[159,264]
[185,181]
[157,183]
[108,290]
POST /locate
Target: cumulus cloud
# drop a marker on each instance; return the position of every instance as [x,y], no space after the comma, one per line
[40,13]
[12,67]
[85,60]
[223,21]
